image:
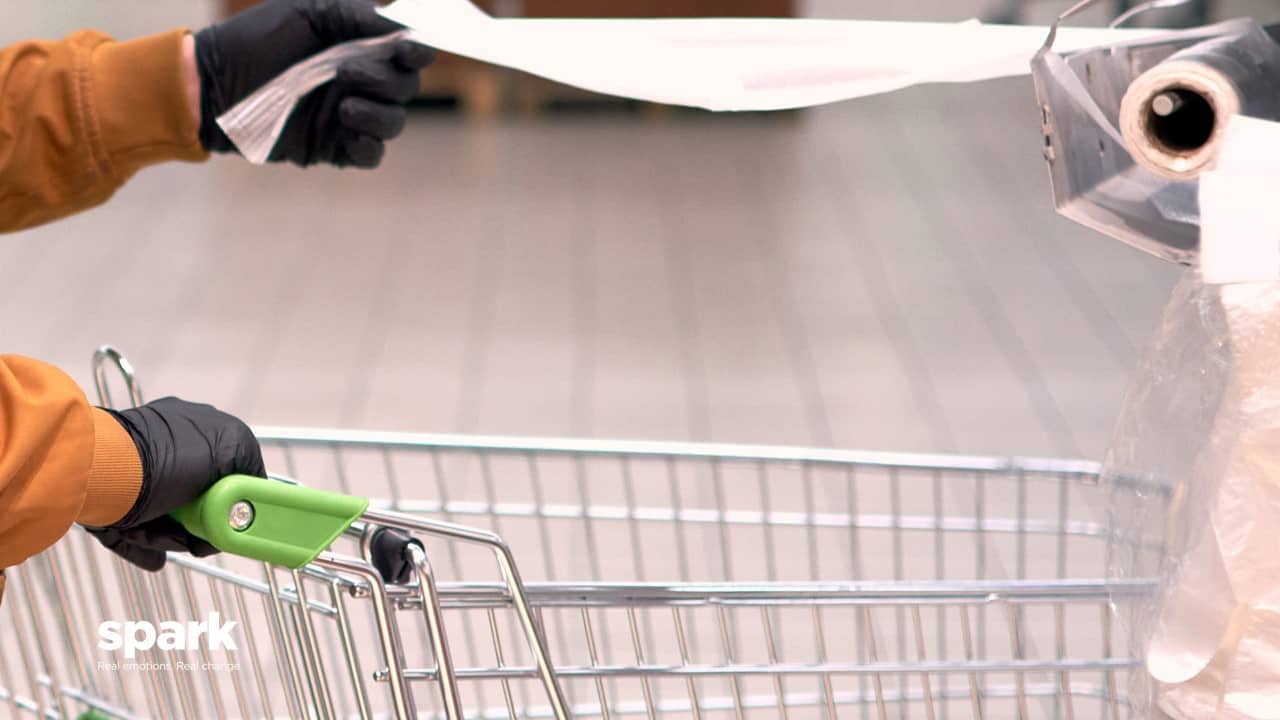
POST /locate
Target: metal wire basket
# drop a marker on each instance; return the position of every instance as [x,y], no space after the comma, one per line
[597,579]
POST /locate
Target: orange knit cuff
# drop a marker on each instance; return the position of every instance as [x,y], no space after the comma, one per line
[115,478]
[138,107]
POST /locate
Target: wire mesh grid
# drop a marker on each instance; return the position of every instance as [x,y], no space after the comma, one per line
[669,581]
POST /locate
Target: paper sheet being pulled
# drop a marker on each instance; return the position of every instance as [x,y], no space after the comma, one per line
[737,63]
[717,64]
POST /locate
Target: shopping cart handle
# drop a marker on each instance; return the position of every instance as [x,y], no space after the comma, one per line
[269,520]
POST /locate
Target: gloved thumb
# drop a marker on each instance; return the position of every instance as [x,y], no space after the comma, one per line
[349,21]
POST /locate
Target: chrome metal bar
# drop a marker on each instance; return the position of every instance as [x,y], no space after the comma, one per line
[167,606]
[855,562]
[794,531]
[304,669]
[1016,649]
[340,469]
[886,667]
[349,652]
[726,642]
[638,649]
[388,633]
[134,604]
[18,579]
[281,639]
[101,357]
[184,685]
[72,636]
[479,595]
[712,516]
[980,560]
[1112,692]
[771,645]
[546,546]
[75,694]
[895,505]
[1064,678]
[722,521]
[764,703]
[684,660]
[940,571]
[237,684]
[98,590]
[43,643]
[498,655]
[455,562]
[7,681]
[515,586]
[589,545]
[255,660]
[877,682]
[644,448]
[975,692]
[435,628]
[588,527]
[309,647]
[594,655]
[922,656]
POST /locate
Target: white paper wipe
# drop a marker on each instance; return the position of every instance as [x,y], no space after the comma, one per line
[736,63]
[1239,232]
[717,64]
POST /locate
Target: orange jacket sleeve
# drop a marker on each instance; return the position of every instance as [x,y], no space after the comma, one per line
[80,116]
[61,460]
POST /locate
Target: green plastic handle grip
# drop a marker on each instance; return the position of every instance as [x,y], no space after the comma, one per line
[269,520]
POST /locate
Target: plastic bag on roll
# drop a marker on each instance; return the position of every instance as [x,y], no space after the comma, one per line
[1194,477]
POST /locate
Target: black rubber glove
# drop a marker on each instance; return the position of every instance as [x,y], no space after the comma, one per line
[184,447]
[343,122]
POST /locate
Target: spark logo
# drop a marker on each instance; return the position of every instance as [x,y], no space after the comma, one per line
[143,635]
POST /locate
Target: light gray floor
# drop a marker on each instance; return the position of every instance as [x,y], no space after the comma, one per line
[884,274]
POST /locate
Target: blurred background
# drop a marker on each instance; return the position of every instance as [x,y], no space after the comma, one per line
[885,274]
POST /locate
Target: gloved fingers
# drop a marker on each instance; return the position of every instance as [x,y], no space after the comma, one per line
[236,448]
[367,117]
[161,535]
[115,541]
[378,80]
[199,548]
[167,534]
[409,55]
[248,460]
[341,20]
[145,558]
[363,151]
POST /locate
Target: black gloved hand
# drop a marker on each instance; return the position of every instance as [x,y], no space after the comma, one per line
[184,447]
[343,122]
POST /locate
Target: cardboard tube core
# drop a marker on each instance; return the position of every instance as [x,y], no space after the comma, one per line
[1172,117]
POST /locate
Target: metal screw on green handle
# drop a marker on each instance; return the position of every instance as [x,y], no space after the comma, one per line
[268,520]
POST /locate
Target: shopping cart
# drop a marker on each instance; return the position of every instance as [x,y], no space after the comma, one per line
[507,578]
